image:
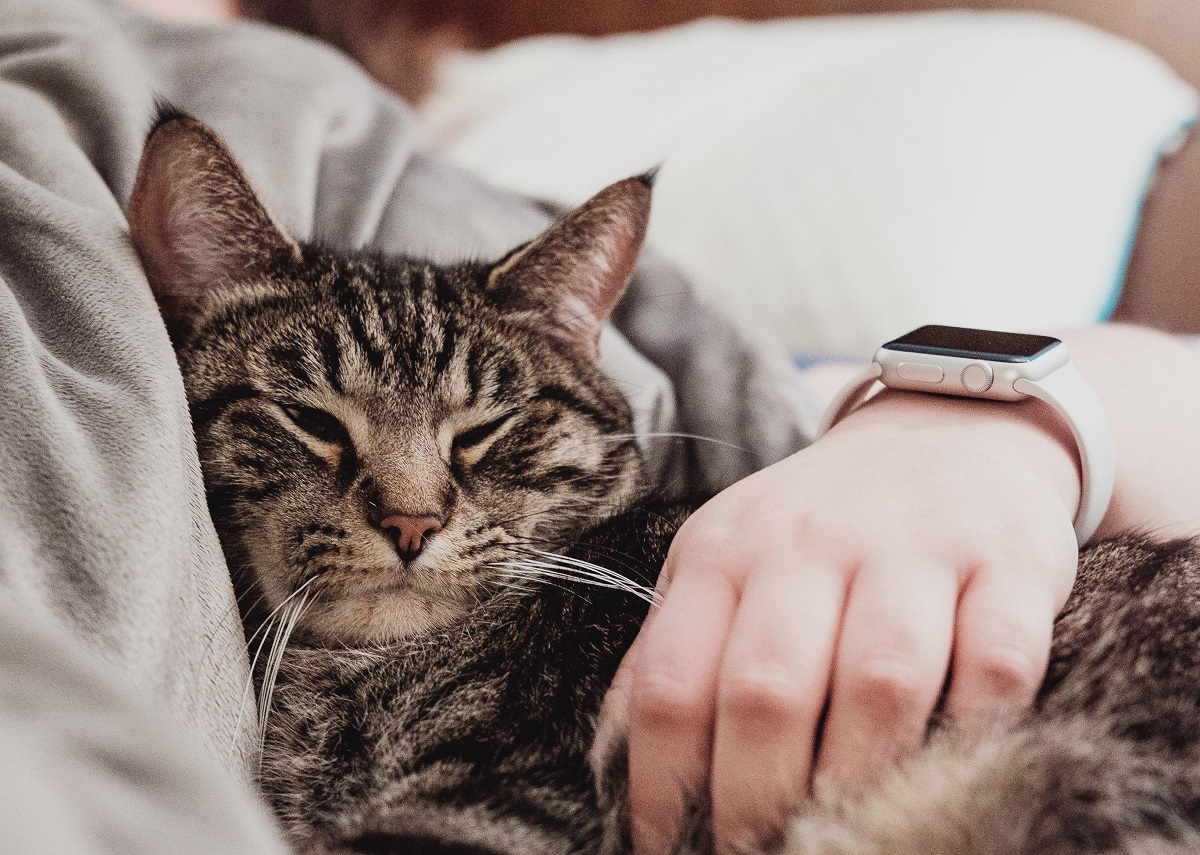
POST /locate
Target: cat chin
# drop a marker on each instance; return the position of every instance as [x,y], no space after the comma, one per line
[379,617]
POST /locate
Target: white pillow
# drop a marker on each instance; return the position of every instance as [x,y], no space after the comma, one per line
[844,180]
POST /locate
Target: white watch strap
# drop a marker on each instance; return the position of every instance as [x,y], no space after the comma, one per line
[1073,398]
[849,397]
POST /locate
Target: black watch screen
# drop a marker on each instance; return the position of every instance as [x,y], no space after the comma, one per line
[973,344]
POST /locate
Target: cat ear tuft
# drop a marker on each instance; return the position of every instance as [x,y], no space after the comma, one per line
[577,270]
[195,220]
[650,176]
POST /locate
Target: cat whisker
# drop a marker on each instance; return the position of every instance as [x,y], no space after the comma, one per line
[522,573]
[523,582]
[598,505]
[228,617]
[248,691]
[616,580]
[286,625]
[581,504]
[233,613]
[599,570]
[546,575]
[672,435]
[582,572]
[264,630]
[514,585]
[616,556]
[642,386]
[275,612]
[585,567]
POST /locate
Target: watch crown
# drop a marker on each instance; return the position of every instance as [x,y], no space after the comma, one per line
[977,377]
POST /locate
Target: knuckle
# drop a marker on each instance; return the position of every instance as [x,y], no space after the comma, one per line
[1006,672]
[764,696]
[892,688]
[1039,553]
[701,545]
[1052,554]
[662,702]
[827,525]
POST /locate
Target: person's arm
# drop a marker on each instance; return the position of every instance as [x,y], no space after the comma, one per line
[923,536]
[1150,385]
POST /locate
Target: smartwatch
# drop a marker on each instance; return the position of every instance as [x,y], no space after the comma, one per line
[998,366]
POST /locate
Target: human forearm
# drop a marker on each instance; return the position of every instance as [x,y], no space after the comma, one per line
[1149,383]
[914,557]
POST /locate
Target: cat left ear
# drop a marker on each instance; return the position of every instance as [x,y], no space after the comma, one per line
[196,222]
[577,270]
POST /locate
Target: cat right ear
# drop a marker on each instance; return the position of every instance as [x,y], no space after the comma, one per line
[195,220]
[573,274]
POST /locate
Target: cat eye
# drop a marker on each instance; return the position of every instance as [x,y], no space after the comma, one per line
[317,423]
[476,435]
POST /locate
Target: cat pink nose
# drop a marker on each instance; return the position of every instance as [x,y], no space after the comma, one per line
[409,533]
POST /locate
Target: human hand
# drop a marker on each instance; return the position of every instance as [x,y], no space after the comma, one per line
[921,536]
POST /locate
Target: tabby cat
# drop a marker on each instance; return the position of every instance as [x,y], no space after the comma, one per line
[415,469]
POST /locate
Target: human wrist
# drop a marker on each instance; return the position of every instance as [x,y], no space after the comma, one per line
[1027,438]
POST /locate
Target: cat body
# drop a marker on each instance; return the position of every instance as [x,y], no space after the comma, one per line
[434,509]
[453,749]
[475,736]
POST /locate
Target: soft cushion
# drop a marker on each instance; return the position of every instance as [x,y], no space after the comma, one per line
[843,180]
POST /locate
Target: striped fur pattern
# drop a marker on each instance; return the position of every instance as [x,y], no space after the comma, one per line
[441,416]
[471,739]
[333,392]
[441,698]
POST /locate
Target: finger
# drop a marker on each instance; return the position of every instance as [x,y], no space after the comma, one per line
[890,667]
[773,682]
[672,696]
[613,720]
[1005,624]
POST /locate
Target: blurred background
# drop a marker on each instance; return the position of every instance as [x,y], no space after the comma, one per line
[371,29]
[491,115]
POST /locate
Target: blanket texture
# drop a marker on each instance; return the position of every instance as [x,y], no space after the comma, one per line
[124,719]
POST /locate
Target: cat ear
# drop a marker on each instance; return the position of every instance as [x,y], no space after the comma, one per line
[577,270]
[195,220]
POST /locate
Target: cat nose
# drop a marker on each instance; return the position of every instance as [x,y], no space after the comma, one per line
[409,532]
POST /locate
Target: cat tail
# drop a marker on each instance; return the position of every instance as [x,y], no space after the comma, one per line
[1052,787]
[1048,786]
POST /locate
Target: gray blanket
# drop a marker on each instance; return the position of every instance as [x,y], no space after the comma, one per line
[124,717]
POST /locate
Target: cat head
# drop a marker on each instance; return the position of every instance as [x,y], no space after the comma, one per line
[380,435]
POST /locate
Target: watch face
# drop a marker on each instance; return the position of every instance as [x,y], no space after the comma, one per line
[974,344]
